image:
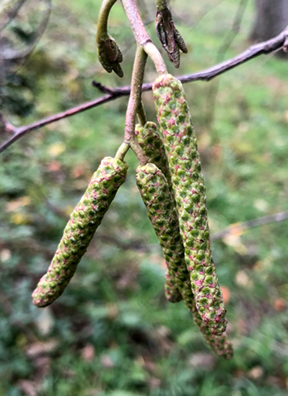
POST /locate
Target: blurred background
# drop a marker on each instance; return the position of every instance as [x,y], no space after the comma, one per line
[112,332]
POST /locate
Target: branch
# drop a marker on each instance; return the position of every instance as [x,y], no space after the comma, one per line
[265,48]
[142,37]
[240,227]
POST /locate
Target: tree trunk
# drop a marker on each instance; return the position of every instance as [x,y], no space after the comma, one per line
[271,19]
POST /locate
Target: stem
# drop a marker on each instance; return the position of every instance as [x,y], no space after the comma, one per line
[122,150]
[142,37]
[102,24]
[141,114]
[135,102]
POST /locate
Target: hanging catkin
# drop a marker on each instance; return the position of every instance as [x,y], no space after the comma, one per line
[156,196]
[189,191]
[159,203]
[149,140]
[80,229]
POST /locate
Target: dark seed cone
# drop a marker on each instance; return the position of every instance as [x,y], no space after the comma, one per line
[161,212]
[189,191]
[169,36]
[109,55]
[172,292]
[80,229]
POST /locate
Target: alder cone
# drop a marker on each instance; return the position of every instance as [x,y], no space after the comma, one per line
[189,191]
[80,229]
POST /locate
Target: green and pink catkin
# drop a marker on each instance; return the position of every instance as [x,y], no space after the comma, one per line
[189,192]
[157,198]
[149,140]
[80,229]
[159,203]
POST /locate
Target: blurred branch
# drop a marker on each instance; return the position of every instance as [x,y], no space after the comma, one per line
[10,54]
[267,47]
[137,245]
[240,227]
[213,89]
[10,11]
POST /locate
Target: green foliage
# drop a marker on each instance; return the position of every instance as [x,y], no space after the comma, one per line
[112,333]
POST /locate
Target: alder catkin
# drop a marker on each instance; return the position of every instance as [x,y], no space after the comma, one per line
[159,203]
[189,191]
[149,140]
[172,292]
[80,229]
[151,143]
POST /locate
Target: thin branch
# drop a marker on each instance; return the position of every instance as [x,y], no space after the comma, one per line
[240,227]
[266,47]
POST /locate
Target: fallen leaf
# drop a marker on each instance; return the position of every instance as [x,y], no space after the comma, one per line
[106,361]
[5,255]
[256,372]
[280,305]
[29,388]
[18,218]
[56,149]
[88,353]
[17,203]
[54,166]
[242,279]
[202,360]
[39,348]
[226,294]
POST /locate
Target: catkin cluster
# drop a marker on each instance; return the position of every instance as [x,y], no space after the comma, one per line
[172,188]
[156,185]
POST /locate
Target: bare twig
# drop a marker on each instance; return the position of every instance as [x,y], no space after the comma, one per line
[266,47]
[240,227]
